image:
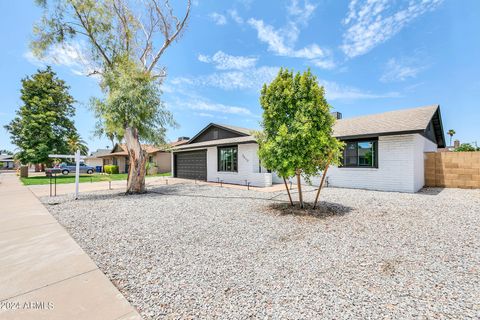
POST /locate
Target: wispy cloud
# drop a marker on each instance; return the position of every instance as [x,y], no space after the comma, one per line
[253,80]
[217,107]
[223,61]
[68,55]
[218,19]
[301,13]
[235,16]
[372,22]
[397,70]
[282,41]
[204,114]
[202,106]
[249,79]
[336,91]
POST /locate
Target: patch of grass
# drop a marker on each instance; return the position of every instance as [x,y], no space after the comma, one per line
[61,179]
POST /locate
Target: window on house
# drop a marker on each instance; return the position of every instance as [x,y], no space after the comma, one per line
[228,159]
[362,154]
[150,159]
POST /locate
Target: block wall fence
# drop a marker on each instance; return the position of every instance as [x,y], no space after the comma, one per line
[452,169]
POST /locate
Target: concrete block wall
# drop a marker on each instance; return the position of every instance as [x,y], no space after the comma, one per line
[452,169]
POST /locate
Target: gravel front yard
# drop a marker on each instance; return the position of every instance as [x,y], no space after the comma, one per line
[191,251]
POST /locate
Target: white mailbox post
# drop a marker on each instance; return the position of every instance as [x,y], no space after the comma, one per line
[77,158]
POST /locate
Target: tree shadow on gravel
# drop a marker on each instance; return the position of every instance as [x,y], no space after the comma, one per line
[323,210]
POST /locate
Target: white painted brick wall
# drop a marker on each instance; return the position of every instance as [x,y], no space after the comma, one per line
[248,169]
[400,167]
[422,145]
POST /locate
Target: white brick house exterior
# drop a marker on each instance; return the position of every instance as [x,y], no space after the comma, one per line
[400,166]
[400,137]
[248,168]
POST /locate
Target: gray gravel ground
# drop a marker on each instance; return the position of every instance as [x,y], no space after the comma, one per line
[192,252]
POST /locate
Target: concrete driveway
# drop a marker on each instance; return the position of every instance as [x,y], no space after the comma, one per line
[44,274]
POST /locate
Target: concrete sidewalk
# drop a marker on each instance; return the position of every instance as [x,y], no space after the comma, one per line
[44,274]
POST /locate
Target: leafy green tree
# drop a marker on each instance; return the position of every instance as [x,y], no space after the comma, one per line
[122,39]
[134,103]
[466,147]
[296,137]
[5,151]
[44,120]
[451,133]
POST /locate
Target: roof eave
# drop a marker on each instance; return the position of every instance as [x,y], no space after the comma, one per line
[221,143]
[379,134]
[211,124]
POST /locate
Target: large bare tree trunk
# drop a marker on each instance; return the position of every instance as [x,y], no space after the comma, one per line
[138,162]
[299,186]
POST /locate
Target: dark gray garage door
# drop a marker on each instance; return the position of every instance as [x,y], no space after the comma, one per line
[191,165]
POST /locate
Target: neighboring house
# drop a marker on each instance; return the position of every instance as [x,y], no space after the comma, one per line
[7,161]
[383,152]
[119,156]
[95,160]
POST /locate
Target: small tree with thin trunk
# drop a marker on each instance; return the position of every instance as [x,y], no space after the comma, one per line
[119,38]
[296,137]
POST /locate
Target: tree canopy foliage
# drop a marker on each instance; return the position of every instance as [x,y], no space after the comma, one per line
[466,147]
[44,121]
[133,101]
[296,136]
[124,40]
[296,126]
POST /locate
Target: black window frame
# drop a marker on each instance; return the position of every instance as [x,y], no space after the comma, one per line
[235,158]
[357,165]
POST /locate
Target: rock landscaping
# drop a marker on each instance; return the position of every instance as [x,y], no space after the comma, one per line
[196,252]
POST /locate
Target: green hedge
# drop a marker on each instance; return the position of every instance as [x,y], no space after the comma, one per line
[110,169]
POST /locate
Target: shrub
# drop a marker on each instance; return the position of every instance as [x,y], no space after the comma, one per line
[466,147]
[151,168]
[110,169]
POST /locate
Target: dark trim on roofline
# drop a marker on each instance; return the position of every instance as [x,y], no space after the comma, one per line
[211,124]
[380,134]
[214,145]
[440,124]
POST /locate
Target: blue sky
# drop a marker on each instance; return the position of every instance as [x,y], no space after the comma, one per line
[371,56]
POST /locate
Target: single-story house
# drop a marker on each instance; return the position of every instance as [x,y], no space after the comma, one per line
[383,152]
[7,161]
[94,159]
[159,156]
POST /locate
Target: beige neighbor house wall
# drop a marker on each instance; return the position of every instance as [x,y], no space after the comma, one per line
[94,162]
[452,169]
[164,161]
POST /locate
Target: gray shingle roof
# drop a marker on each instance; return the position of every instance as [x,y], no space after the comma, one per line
[406,120]
[100,152]
[392,122]
[217,142]
[6,157]
[235,128]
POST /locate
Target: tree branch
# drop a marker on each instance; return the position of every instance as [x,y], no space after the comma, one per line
[170,39]
[91,36]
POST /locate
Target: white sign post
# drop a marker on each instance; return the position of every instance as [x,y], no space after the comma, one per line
[77,158]
[77,172]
